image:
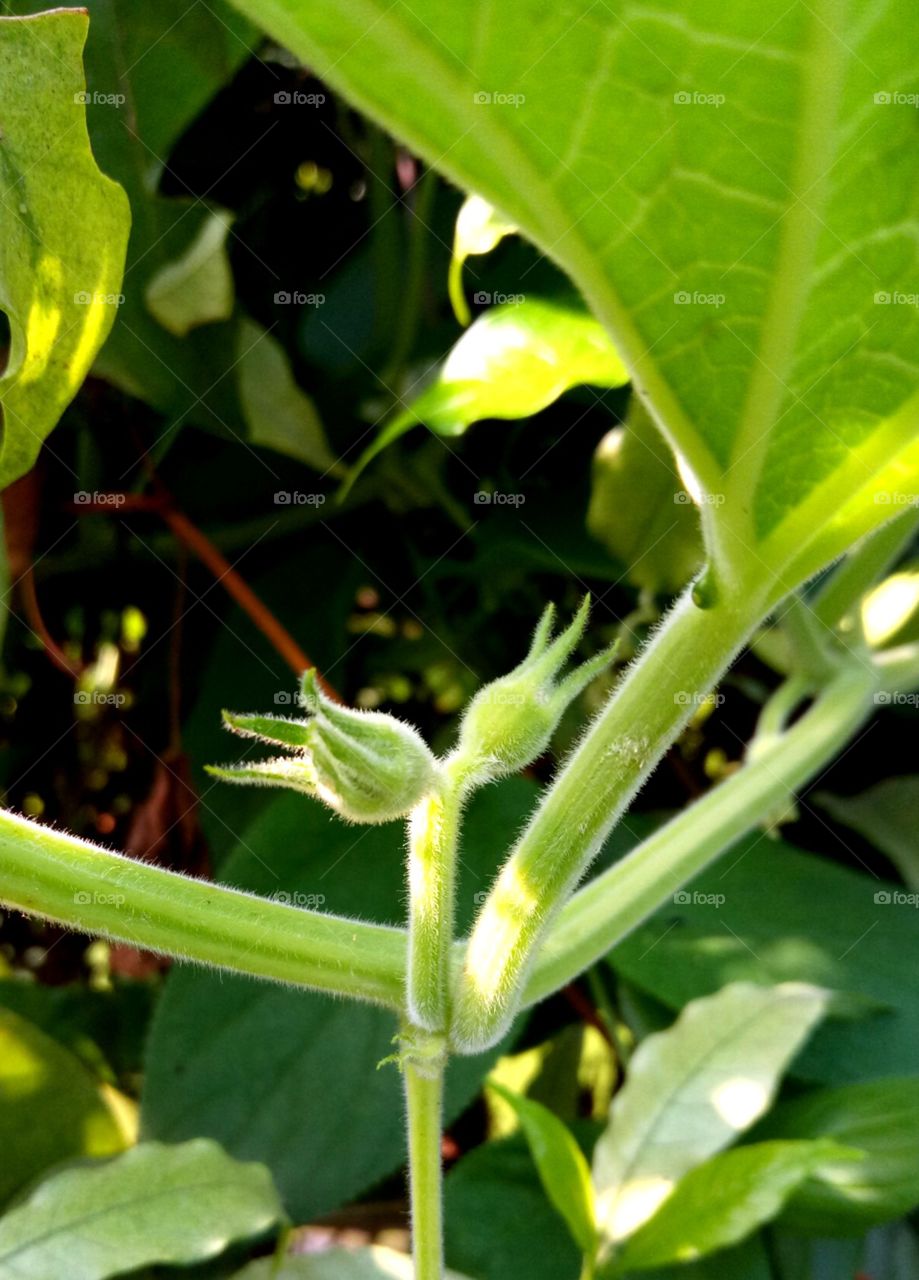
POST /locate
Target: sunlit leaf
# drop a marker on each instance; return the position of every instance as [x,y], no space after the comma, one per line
[154,1204]
[150,69]
[560,1163]
[724,1200]
[691,1090]
[51,1107]
[479,229]
[63,231]
[514,360]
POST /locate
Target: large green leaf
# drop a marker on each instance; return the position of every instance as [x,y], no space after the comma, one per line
[691,1090]
[289,1078]
[51,1107]
[63,231]
[881,1118]
[151,68]
[724,1200]
[770,913]
[154,1204]
[733,188]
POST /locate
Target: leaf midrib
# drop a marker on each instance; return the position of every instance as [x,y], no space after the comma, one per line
[822,82]
[733,1033]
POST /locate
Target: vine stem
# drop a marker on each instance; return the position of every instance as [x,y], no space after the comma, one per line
[606,910]
[424,1081]
[433,836]
[60,877]
[659,693]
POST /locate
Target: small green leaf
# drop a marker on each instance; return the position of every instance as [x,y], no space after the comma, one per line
[196,288]
[479,229]
[278,412]
[279,730]
[52,1107]
[724,1200]
[63,231]
[511,363]
[153,1205]
[561,1165]
[691,1090]
[881,1118]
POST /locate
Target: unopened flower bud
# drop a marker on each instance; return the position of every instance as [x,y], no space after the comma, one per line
[510,722]
[367,766]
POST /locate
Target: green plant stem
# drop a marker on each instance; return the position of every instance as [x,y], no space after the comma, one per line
[613,904]
[60,877]
[415,259]
[864,566]
[688,654]
[424,1104]
[432,843]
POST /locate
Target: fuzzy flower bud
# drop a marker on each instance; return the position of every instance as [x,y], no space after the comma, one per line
[367,766]
[510,722]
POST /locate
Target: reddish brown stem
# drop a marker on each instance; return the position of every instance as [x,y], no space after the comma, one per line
[233,583]
[37,623]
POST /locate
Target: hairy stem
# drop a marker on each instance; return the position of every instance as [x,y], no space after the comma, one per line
[613,904]
[432,841]
[659,693]
[424,1079]
[62,878]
